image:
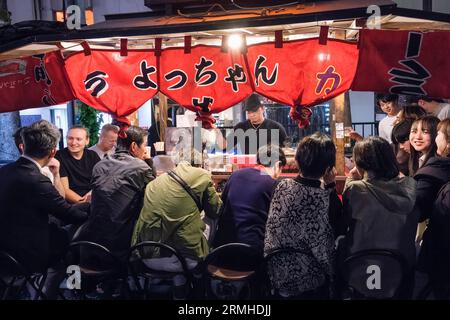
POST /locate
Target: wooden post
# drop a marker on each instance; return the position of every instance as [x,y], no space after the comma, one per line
[337,128]
[340,118]
[162,115]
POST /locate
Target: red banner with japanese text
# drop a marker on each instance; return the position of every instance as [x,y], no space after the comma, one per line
[110,82]
[303,72]
[206,80]
[33,82]
[404,62]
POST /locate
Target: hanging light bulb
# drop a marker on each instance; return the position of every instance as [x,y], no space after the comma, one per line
[323,57]
[235,41]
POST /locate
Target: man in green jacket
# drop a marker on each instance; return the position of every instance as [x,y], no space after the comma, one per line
[171,216]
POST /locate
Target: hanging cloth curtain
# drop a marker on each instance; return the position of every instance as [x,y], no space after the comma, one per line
[205,81]
[33,82]
[404,62]
[112,82]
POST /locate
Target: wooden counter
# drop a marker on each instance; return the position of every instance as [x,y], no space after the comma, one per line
[220,179]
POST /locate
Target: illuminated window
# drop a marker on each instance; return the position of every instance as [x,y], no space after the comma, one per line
[59,16]
[89,14]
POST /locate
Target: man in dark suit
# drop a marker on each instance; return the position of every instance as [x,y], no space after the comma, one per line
[27,198]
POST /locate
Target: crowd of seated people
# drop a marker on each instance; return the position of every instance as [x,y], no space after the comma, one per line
[119,202]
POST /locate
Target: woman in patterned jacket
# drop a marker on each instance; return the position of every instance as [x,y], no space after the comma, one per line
[304,215]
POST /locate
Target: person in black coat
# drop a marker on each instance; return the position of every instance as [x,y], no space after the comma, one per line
[27,198]
[118,185]
[440,239]
[435,172]
[430,178]
[433,188]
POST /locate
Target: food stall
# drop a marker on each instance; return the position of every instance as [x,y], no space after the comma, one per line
[297,55]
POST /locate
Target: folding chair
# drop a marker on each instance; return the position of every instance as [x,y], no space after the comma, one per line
[272,291]
[146,263]
[14,279]
[231,272]
[374,274]
[98,267]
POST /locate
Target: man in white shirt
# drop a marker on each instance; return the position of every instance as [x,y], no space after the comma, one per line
[107,141]
[436,107]
[389,104]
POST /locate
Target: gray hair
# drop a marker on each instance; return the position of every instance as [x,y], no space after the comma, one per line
[40,139]
[269,155]
[109,127]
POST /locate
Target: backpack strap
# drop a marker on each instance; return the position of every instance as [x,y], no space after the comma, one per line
[188,189]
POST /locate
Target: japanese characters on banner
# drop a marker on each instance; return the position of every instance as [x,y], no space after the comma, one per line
[404,62]
[303,72]
[110,82]
[206,80]
[33,82]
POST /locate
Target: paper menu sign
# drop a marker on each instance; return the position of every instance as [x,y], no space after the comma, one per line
[186,120]
[339,130]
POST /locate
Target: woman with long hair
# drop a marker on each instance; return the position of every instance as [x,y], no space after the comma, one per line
[443,138]
[434,257]
[422,139]
[400,134]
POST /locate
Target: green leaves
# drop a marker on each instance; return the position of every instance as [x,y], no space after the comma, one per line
[91,119]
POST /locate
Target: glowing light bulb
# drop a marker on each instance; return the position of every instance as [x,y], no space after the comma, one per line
[323,56]
[235,41]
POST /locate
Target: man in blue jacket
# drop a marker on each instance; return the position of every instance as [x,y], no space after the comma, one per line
[245,211]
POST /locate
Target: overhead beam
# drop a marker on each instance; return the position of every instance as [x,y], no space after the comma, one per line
[229,23]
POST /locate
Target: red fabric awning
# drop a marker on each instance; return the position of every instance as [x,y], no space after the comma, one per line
[33,82]
[208,80]
[404,62]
